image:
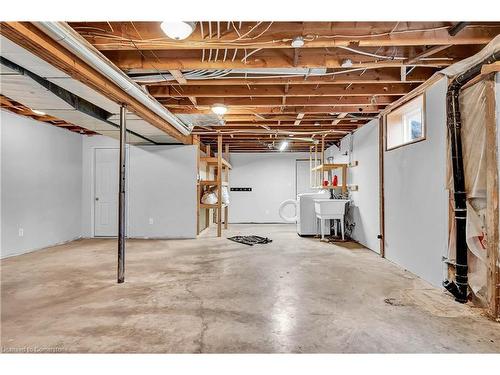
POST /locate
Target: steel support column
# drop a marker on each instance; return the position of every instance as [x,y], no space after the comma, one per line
[121,197]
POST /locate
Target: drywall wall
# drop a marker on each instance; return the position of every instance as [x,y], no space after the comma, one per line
[41,169]
[365,202]
[339,154]
[416,201]
[364,206]
[272,179]
[161,189]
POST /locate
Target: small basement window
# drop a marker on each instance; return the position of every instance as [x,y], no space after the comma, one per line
[406,125]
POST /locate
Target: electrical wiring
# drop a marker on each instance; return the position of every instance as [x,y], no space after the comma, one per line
[247,55]
[275,131]
[370,54]
[249,31]
[237,42]
[225,74]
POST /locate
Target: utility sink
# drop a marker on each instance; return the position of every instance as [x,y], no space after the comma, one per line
[330,209]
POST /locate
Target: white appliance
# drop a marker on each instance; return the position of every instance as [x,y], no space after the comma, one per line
[330,209]
[305,216]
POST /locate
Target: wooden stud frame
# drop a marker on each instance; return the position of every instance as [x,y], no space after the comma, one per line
[492,205]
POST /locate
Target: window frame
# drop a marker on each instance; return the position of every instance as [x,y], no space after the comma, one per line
[424,124]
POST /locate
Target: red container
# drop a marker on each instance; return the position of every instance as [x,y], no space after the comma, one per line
[335,181]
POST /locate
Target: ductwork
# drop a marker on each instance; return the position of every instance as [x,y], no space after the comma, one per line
[76,44]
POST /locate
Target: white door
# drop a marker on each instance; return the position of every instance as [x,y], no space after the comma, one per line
[302,176]
[106,192]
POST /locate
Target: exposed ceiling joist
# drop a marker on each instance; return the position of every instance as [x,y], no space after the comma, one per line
[29,37]
[368,89]
[123,36]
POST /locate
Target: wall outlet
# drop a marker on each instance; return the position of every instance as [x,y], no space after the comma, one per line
[151,221]
[21,232]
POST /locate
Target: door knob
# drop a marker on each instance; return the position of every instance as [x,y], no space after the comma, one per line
[96,198]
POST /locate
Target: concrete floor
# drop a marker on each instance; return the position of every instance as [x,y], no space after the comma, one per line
[213,295]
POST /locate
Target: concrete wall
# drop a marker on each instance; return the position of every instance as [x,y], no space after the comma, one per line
[41,184]
[416,201]
[161,187]
[272,179]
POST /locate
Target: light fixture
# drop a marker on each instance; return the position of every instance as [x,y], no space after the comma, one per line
[40,113]
[298,42]
[178,30]
[219,109]
[347,63]
[283,145]
[290,135]
[317,123]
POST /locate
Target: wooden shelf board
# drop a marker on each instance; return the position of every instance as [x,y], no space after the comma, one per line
[328,187]
[203,205]
[212,182]
[327,167]
[213,161]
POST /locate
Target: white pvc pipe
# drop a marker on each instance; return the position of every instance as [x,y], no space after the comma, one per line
[75,43]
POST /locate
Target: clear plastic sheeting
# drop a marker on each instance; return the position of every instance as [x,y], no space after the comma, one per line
[466,64]
[473,132]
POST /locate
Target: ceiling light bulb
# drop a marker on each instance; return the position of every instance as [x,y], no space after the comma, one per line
[40,113]
[219,109]
[178,30]
[283,145]
[317,123]
[347,63]
[298,42]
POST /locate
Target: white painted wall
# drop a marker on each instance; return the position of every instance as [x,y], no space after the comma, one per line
[41,184]
[272,179]
[416,201]
[161,186]
[365,202]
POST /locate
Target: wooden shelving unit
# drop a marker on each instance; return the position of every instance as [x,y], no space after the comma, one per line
[319,167]
[215,171]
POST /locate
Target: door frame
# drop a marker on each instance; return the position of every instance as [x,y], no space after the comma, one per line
[296,173]
[93,186]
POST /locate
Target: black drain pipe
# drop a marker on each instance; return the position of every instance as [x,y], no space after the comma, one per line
[459,287]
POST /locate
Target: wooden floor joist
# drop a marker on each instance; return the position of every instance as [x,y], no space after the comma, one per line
[344,75]
[29,37]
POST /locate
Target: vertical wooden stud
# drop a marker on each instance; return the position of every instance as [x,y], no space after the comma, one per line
[381,143]
[492,209]
[219,185]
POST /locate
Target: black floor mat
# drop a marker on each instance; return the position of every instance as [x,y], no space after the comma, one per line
[250,240]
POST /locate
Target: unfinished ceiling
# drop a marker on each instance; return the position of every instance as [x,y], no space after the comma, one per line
[344,74]
[31,87]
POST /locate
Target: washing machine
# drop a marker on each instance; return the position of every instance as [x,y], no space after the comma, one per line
[305,217]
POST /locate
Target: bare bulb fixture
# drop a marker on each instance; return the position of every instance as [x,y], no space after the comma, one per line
[298,42]
[40,113]
[178,30]
[347,63]
[219,109]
